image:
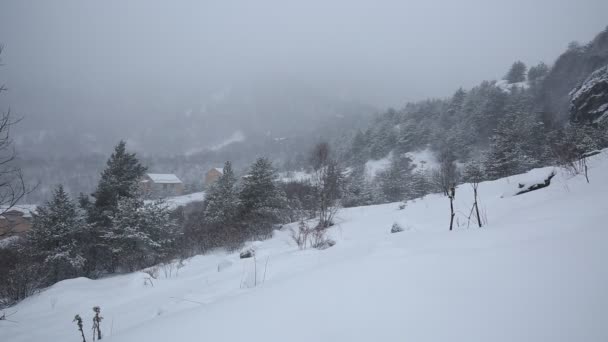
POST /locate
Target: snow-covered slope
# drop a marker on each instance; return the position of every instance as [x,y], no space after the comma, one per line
[536,272]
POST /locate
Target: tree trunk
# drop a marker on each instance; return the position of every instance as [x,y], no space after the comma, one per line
[476,207]
[451,212]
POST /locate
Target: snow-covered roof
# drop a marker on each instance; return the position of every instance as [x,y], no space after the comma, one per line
[25,209]
[219,169]
[165,178]
[7,242]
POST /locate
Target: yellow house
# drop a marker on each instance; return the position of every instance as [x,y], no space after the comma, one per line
[213,175]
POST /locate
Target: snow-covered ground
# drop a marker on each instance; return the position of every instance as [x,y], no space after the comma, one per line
[505,86]
[536,272]
[180,201]
[423,159]
[295,176]
[373,167]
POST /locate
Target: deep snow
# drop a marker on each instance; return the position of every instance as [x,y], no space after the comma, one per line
[536,272]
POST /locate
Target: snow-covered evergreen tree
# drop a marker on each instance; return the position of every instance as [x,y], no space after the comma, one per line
[262,202]
[419,184]
[120,179]
[221,209]
[394,181]
[513,148]
[222,198]
[538,72]
[57,237]
[359,190]
[140,234]
[517,73]
[359,153]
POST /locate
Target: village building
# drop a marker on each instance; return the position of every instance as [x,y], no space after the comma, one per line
[16,220]
[213,175]
[161,185]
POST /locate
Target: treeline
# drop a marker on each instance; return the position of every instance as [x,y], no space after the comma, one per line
[235,211]
[114,230]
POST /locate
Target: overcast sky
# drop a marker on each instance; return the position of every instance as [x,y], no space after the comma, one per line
[379,52]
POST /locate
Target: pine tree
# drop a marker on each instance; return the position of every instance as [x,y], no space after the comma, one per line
[457,102]
[419,185]
[262,201]
[517,73]
[394,180]
[119,180]
[407,139]
[221,209]
[537,72]
[222,198]
[140,234]
[514,148]
[383,139]
[57,237]
[359,190]
[358,152]
[485,106]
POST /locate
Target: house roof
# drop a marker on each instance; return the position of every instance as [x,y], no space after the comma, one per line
[164,178]
[219,169]
[25,209]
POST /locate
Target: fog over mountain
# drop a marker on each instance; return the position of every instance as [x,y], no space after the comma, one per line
[177,77]
[196,169]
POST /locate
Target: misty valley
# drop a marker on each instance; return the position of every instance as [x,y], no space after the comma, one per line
[303,172]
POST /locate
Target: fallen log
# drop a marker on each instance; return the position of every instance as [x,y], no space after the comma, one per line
[532,187]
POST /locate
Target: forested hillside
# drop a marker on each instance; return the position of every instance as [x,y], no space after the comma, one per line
[505,127]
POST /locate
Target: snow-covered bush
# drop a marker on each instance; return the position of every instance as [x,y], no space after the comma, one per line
[246,253]
[324,244]
[315,237]
[396,228]
[141,234]
[301,234]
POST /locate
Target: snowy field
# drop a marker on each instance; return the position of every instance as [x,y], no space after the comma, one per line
[536,272]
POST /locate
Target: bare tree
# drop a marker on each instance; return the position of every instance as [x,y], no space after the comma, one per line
[447,175]
[97,323]
[452,196]
[12,184]
[320,155]
[574,148]
[445,178]
[473,173]
[79,324]
[300,236]
[328,181]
